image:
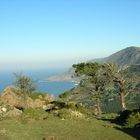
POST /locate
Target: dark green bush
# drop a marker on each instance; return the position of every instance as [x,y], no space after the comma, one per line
[133,120]
[121,119]
[129,118]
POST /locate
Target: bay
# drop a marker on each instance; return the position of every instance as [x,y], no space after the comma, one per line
[7,78]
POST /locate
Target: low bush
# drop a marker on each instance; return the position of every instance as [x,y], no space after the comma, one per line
[76,106]
[65,95]
[35,95]
[121,119]
[64,114]
[133,120]
[128,118]
[70,114]
[36,114]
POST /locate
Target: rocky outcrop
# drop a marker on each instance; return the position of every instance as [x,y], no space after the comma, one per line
[13,113]
[13,98]
[36,104]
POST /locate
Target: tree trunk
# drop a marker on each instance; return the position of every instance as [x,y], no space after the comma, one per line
[122,99]
[98,103]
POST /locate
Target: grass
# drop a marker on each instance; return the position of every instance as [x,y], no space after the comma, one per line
[80,129]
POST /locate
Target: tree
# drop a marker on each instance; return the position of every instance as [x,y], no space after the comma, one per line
[93,73]
[25,85]
[123,81]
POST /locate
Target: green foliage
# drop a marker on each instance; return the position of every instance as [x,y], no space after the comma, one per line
[76,106]
[70,105]
[36,114]
[97,77]
[133,120]
[108,116]
[64,114]
[25,84]
[65,95]
[128,118]
[36,95]
[88,69]
[124,115]
[105,83]
[70,114]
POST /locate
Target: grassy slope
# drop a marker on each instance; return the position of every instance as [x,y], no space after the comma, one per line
[64,129]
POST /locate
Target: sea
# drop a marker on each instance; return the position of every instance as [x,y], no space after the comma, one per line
[7,78]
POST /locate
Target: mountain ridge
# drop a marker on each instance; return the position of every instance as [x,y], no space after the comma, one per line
[125,57]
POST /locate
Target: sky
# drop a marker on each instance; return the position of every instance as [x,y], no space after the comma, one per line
[57,33]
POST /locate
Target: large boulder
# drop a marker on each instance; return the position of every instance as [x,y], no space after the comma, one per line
[36,104]
[49,107]
[11,97]
[13,113]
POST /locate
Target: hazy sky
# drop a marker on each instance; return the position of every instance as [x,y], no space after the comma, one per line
[58,33]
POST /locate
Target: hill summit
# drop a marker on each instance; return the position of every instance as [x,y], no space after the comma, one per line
[127,56]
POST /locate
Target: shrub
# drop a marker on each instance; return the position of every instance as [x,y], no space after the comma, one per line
[70,114]
[71,105]
[133,120]
[36,114]
[121,119]
[77,107]
[64,114]
[129,118]
[65,95]
[35,95]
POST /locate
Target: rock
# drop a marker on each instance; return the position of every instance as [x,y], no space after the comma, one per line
[4,109]
[11,97]
[48,107]
[62,119]
[13,113]
[38,103]
[77,114]
[49,98]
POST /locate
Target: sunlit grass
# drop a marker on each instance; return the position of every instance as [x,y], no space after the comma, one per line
[62,129]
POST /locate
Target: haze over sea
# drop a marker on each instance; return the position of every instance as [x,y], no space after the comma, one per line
[7,78]
[55,34]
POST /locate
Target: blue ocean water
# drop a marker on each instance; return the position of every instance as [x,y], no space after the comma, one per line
[7,78]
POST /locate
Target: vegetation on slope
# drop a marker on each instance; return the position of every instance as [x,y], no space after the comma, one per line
[77,114]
